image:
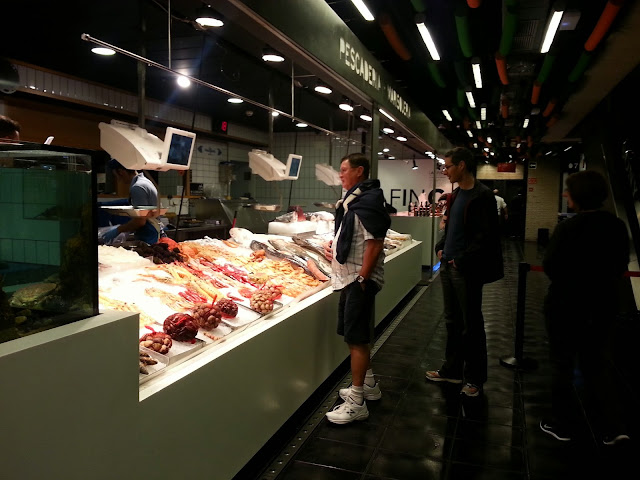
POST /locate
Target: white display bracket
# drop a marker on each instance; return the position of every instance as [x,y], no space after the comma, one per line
[137,149]
[271,169]
[325,173]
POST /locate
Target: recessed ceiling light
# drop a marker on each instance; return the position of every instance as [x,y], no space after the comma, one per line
[103,51]
[234,100]
[301,125]
[323,88]
[346,105]
[401,139]
[274,114]
[387,130]
[366,117]
[207,17]
[271,55]
[183,81]
[385,150]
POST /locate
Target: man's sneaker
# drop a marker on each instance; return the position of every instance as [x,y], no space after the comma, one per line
[615,439]
[348,412]
[554,430]
[434,376]
[370,393]
[471,390]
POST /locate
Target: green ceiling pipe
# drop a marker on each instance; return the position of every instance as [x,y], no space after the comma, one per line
[461,68]
[462,26]
[418,5]
[549,58]
[509,27]
[580,67]
[462,97]
[472,113]
[435,74]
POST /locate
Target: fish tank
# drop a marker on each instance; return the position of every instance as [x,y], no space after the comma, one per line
[48,239]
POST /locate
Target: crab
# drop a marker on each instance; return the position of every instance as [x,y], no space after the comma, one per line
[30,296]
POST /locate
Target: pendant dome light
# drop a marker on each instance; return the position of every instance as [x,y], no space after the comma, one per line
[207,17]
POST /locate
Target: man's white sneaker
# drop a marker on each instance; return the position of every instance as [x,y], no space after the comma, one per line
[370,393]
[348,412]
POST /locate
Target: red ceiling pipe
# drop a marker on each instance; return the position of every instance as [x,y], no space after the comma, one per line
[474,3]
[501,65]
[609,13]
[535,93]
[552,120]
[393,38]
[550,106]
[504,108]
[466,123]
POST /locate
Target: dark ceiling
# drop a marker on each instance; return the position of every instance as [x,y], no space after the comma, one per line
[47,34]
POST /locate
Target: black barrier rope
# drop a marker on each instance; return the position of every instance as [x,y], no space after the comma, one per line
[517,360]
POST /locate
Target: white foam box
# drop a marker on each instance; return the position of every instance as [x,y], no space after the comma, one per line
[290,229]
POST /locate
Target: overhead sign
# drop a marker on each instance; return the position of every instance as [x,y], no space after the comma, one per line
[533,165]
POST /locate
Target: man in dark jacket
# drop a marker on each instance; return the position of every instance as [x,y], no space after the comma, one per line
[471,255]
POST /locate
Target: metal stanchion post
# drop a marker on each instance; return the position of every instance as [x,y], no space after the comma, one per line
[517,361]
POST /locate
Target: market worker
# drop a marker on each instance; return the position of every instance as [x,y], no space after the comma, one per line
[142,192]
[9,129]
[356,255]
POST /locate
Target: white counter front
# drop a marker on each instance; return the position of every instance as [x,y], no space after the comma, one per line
[72,407]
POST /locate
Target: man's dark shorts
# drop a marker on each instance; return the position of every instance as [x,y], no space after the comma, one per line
[355,312]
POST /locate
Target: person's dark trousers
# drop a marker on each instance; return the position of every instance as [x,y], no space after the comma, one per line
[582,338]
[466,350]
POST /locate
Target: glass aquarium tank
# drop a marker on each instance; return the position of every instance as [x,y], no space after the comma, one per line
[48,239]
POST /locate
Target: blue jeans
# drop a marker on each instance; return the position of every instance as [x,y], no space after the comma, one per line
[466,350]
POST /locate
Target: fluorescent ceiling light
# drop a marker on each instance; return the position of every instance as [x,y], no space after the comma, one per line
[301,125]
[486,149]
[526,123]
[478,124]
[428,41]
[274,114]
[401,139]
[364,11]
[386,115]
[489,139]
[387,130]
[568,148]
[103,51]
[475,66]
[554,23]
[469,133]
[234,100]
[518,145]
[475,145]
[447,115]
[385,150]
[366,117]
[183,81]
[472,102]
[483,113]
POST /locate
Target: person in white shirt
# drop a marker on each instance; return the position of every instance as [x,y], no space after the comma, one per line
[503,213]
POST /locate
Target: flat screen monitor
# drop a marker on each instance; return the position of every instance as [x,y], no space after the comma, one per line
[292,170]
[178,149]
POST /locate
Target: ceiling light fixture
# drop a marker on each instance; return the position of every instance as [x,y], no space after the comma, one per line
[469,133]
[103,51]
[271,55]
[475,67]
[366,116]
[207,17]
[568,148]
[447,115]
[401,139]
[183,81]
[525,124]
[323,88]
[415,166]
[385,150]
[346,105]
[274,114]
[426,37]
[386,115]
[552,28]
[486,149]
[234,100]
[301,125]
[388,130]
[489,140]
[483,112]
[478,124]
[392,158]
[472,102]
[475,145]
[363,9]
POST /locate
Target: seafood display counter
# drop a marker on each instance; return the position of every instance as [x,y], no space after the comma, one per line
[422,229]
[207,412]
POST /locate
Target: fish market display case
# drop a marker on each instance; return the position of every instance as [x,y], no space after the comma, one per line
[48,253]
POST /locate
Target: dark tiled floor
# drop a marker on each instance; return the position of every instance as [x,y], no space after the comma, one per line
[422,430]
